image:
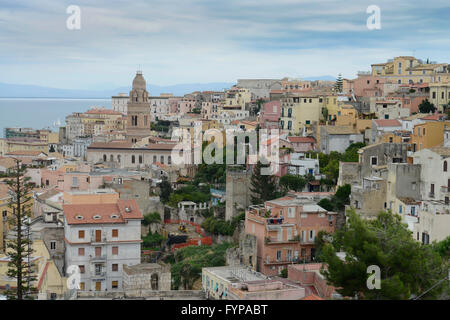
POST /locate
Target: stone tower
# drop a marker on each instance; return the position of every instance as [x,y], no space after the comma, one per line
[138,122]
[238,191]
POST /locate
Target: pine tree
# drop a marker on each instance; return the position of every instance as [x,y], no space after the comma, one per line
[263,187]
[19,248]
[339,86]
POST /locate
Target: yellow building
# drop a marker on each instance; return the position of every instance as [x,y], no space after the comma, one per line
[428,135]
[3,147]
[237,97]
[440,95]
[407,69]
[18,145]
[49,282]
[300,111]
[6,213]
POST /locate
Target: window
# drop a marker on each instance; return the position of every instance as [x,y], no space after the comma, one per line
[115,233]
[278,255]
[80,252]
[133,159]
[291,213]
[445,166]
[311,235]
[140,159]
[154,159]
[98,251]
[80,234]
[115,284]
[82,286]
[374,161]
[53,245]
[115,251]
[169,159]
[82,269]
[400,209]
[162,159]
[115,267]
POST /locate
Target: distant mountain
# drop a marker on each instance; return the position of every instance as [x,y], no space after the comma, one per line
[31,91]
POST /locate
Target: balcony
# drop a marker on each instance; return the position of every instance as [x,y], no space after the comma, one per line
[445,189]
[274,240]
[98,258]
[98,241]
[99,274]
[291,260]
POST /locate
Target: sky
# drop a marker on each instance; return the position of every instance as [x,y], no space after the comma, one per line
[201,41]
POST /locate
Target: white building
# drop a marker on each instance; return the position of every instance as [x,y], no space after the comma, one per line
[67,150]
[299,165]
[120,103]
[80,145]
[435,173]
[159,107]
[100,239]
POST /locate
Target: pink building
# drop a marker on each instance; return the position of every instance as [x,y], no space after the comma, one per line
[308,275]
[366,86]
[286,229]
[302,144]
[270,115]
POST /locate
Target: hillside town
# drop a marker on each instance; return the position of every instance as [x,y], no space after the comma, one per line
[276,194]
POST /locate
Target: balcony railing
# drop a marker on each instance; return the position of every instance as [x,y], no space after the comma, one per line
[282,260]
[98,258]
[445,189]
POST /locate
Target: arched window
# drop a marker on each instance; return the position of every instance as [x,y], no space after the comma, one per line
[133,159]
[111,158]
[104,158]
[118,158]
[445,166]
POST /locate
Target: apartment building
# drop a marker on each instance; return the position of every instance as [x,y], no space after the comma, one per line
[100,239]
[286,229]
[300,111]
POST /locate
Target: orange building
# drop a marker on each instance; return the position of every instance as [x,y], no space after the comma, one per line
[286,229]
[428,135]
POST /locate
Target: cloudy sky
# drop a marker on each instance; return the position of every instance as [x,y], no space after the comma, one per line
[198,41]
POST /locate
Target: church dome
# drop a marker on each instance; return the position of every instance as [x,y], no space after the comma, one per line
[139,82]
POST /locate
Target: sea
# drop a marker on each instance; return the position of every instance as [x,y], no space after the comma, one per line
[43,113]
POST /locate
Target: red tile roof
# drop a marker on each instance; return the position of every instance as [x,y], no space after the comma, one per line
[105,211]
[302,139]
[438,116]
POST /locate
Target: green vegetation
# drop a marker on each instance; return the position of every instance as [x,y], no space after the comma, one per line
[263,186]
[160,126]
[291,182]
[150,218]
[338,201]
[426,107]
[188,263]
[407,267]
[222,227]
[284,273]
[152,240]
[190,193]
[166,190]
[329,163]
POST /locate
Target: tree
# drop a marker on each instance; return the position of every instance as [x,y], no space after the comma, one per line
[19,249]
[291,182]
[426,107]
[342,197]
[339,85]
[263,187]
[150,218]
[407,267]
[166,190]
